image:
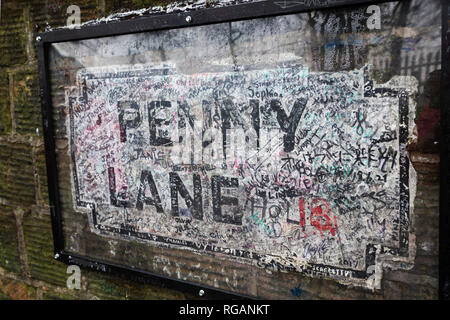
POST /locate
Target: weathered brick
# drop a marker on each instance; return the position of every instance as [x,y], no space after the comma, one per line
[16,290]
[12,34]
[331,290]
[105,286]
[39,249]
[427,265]
[9,252]
[414,291]
[41,168]
[53,13]
[40,15]
[428,193]
[53,295]
[5,113]
[427,174]
[16,174]
[425,224]
[27,104]
[428,212]
[408,277]
[302,289]
[392,290]
[427,243]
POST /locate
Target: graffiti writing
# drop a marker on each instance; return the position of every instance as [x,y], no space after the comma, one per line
[307,167]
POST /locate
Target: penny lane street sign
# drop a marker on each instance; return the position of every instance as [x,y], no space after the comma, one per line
[280,165]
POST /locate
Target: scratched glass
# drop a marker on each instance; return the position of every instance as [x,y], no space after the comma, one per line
[278,143]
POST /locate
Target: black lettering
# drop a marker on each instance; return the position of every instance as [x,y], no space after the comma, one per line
[195,205]
[113,192]
[147,179]
[127,108]
[158,138]
[217,182]
[254,104]
[289,124]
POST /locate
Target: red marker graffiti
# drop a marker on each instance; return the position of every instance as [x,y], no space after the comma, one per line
[301,210]
[319,216]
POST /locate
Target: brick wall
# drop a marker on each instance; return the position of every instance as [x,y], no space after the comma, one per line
[27,267]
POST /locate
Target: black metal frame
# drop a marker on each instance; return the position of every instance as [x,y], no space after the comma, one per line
[153,22]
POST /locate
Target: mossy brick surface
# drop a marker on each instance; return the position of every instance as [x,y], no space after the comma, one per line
[419,292]
[426,203]
[111,287]
[330,290]
[39,249]
[16,174]
[427,265]
[9,252]
[53,13]
[427,212]
[392,290]
[41,168]
[67,295]
[27,104]
[16,290]
[412,279]
[5,110]
[40,15]
[12,34]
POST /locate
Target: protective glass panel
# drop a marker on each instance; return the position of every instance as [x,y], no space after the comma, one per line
[276,143]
